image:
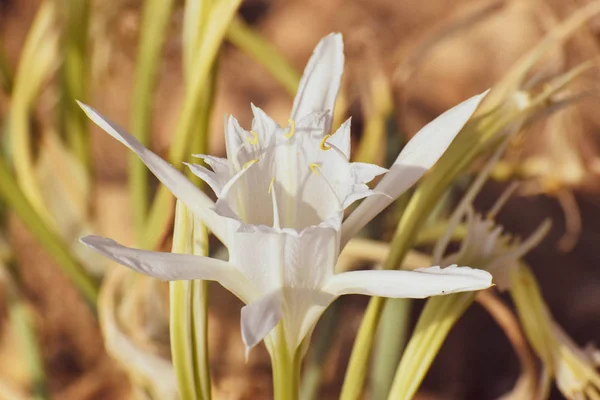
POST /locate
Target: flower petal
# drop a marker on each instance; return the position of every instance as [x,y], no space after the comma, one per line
[417,284]
[172,266]
[218,177]
[341,139]
[264,126]
[259,318]
[321,79]
[174,180]
[419,154]
[208,177]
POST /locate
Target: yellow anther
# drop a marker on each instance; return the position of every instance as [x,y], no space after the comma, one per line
[271,185]
[292,129]
[249,163]
[323,145]
[254,139]
[314,167]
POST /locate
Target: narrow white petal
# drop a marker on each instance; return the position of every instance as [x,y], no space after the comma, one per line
[419,154]
[428,145]
[417,284]
[263,125]
[259,318]
[321,79]
[341,139]
[220,168]
[174,180]
[172,266]
[207,176]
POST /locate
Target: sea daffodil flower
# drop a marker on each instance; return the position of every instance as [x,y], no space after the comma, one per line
[281,198]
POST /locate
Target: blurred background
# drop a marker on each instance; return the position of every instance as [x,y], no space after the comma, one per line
[407,61]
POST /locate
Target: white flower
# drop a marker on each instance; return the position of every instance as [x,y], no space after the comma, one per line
[281,197]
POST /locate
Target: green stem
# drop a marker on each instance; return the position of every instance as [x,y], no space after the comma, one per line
[286,370]
[313,371]
[220,17]
[155,21]
[75,71]
[477,136]
[437,319]
[200,139]
[180,300]
[199,316]
[263,52]
[391,340]
[16,200]
[189,313]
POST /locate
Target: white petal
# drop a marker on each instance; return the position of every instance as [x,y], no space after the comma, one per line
[295,263]
[172,266]
[341,139]
[417,284]
[419,154]
[259,318]
[321,79]
[238,144]
[246,196]
[221,172]
[263,125]
[208,177]
[174,180]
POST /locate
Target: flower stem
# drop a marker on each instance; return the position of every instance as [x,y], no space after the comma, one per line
[437,319]
[155,21]
[286,369]
[75,48]
[219,19]
[478,135]
[391,341]
[189,313]
[313,371]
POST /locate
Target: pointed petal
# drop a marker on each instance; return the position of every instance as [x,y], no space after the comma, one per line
[263,125]
[259,318]
[171,266]
[174,180]
[341,139]
[420,153]
[220,166]
[321,80]
[417,284]
[207,176]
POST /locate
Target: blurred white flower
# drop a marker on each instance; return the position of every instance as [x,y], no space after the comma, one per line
[281,197]
[486,245]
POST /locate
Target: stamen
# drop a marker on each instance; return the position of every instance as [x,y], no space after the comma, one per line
[292,129]
[314,167]
[249,163]
[254,139]
[271,185]
[276,222]
[323,145]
